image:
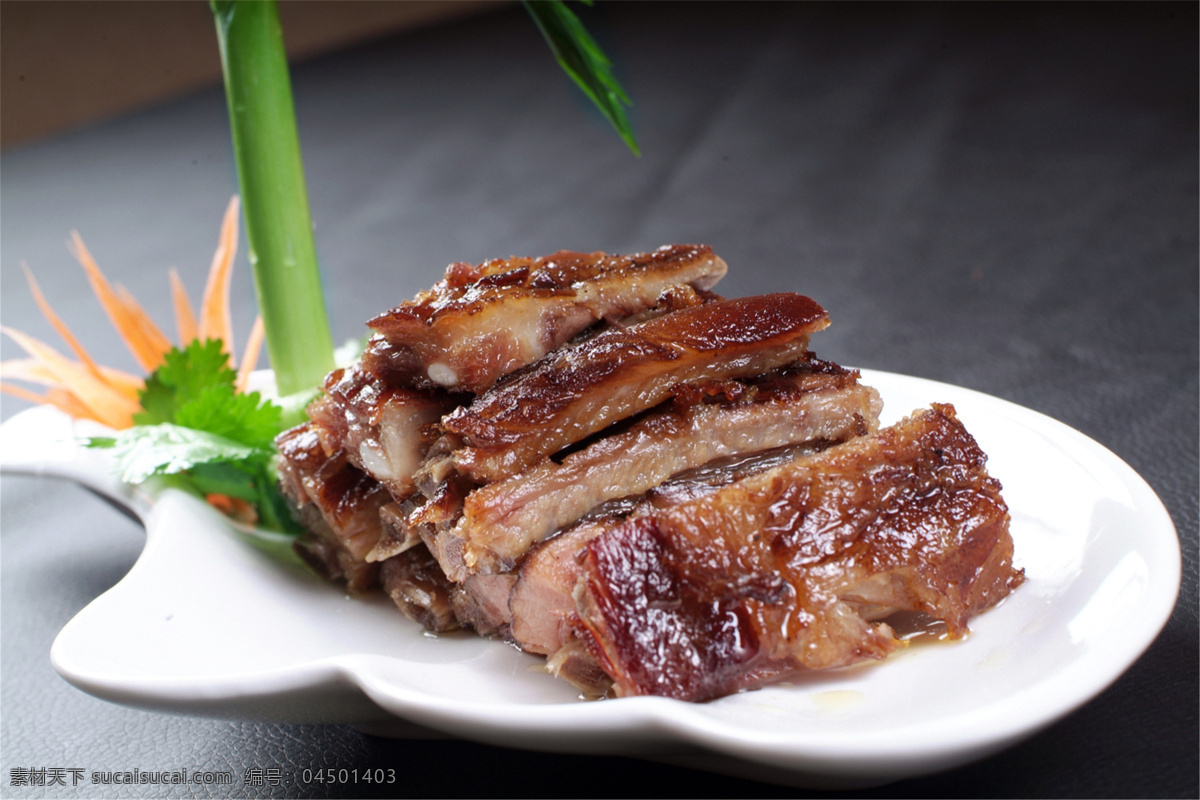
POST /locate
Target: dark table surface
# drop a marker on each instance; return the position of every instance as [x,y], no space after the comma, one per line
[999,197]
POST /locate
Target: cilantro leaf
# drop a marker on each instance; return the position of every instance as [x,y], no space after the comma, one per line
[167,449]
[183,375]
[243,418]
[235,479]
[194,388]
[274,511]
[195,426]
[158,403]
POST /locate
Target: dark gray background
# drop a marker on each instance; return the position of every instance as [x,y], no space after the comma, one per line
[1001,197]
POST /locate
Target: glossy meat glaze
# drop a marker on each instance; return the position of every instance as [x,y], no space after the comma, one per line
[788,570]
[482,322]
[660,490]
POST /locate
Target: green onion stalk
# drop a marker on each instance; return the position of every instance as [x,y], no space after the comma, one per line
[279,230]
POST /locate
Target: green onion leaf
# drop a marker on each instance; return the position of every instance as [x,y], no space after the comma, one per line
[274,196]
[581,58]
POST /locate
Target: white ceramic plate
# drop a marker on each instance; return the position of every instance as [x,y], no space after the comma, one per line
[212,621]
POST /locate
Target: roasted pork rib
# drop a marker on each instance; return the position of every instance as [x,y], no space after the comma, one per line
[380,428]
[786,570]
[580,390]
[661,491]
[358,533]
[544,612]
[338,504]
[369,431]
[502,520]
[482,322]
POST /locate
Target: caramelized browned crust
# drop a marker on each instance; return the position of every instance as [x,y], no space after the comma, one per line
[769,575]
[542,602]
[482,322]
[663,492]
[618,373]
[502,520]
[338,504]
[381,429]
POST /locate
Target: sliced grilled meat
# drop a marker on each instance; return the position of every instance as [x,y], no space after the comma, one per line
[339,505]
[542,603]
[482,322]
[661,491]
[381,429]
[502,520]
[419,589]
[580,390]
[771,575]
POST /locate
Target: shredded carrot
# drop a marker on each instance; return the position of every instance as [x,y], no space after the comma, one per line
[125,383]
[133,331]
[151,333]
[71,405]
[234,507]
[59,398]
[250,356]
[214,309]
[58,325]
[26,369]
[23,393]
[85,389]
[185,319]
[220,502]
[105,403]
[34,371]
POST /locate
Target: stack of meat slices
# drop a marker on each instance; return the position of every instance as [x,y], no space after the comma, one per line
[660,490]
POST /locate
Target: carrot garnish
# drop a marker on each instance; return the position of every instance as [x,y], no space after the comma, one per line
[185,319]
[86,389]
[59,398]
[156,340]
[214,309]
[70,404]
[198,385]
[34,371]
[27,369]
[59,326]
[102,400]
[250,356]
[23,393]
[146,350]
[233,507]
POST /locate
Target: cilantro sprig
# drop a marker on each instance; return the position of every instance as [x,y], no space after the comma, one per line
[196,426]
[194,388]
